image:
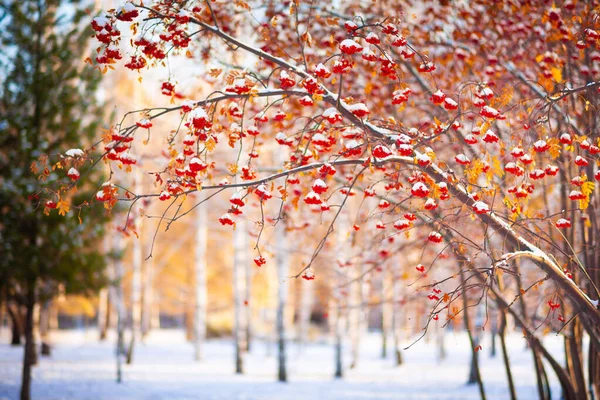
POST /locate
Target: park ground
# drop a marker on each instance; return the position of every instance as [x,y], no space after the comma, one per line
[82,368]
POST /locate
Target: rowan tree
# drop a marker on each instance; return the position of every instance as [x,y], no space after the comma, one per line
[473,124]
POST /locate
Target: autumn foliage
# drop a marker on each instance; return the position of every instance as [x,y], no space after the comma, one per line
[466,129]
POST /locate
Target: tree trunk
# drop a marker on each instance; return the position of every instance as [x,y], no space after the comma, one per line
[396,328]
[339,367]
[502,335]
[136,280]
[574,358]
[341,278]
[282,256]
[354,316]
[537,363]
[53,320]
[15,325]
[29,353]
[594,370]
[386,310]
[147,297]
[306,304]
[116,293]
[493,330]
[103,310]
[239,267]
[200,272]
[475,375]
[441,343]
[248,270]
[568,390]
[189,303]
[45,328]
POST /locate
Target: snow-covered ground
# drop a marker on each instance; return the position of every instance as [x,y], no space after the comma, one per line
[163,368]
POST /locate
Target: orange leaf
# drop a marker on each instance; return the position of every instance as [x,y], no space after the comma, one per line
[63,207]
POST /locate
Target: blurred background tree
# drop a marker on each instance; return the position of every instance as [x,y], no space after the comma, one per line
[48,102]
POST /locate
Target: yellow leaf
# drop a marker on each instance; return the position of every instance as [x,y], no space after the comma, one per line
[242,4]
[555,148]
[473,170]
[556,74]
[215,72]
[486,125]
[587,188]
[233,168]
[210,144]
[497,167]
[63,207]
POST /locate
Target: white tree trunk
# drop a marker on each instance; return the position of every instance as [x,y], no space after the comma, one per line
[45,327]
[396,322]
[155,311]
[341,278]
[354,315]
[357,314]
[306,304]
[338,334]
[116,294]
[201,295]
[148,297]
[53,323]
[136,280]
[248,272]
[102,313]
[386,310]
[282,257]
[239,267]
[441,342]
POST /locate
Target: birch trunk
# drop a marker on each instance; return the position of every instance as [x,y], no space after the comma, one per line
[441,342]
[116,293]
[386,310]
[338,327]
[341,237]
[282,258]
[354,314]
[248,271]
[306,304]
[45,328]
[147,297]
[136,281]
[201,295]
[396,326]
[102,313]
[239,267]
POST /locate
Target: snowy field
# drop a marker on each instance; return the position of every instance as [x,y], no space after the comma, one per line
[81,368]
